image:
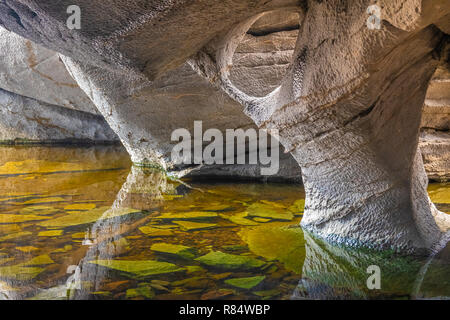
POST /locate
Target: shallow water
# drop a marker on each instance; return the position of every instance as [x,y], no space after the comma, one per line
[81,223]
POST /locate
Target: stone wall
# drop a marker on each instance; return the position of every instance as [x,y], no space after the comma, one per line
[435,132]
[39,100]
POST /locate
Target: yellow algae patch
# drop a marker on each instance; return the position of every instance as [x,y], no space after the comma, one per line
[86,217]
[26,270]
[39,210]
[171,196]
[50,233]
[44,200]
[79,235]
[9,228]
[65,249]
[5,260]
[27,249]
[298,207]
[16,235]
[17,218]
[187,225]
[155,232]
[277,242]
[262,210]
[193,215]
[19,272]
[439,193]
[38,166]
[240,219]
[80,206]
[38,261]
[273,204]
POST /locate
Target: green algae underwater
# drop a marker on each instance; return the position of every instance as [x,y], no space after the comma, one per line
[82,223]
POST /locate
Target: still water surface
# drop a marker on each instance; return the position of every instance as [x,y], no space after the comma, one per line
[82,223]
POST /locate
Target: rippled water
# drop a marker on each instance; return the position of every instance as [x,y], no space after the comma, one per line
[81,223]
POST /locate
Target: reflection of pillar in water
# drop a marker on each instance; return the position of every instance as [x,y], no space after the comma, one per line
[331,272]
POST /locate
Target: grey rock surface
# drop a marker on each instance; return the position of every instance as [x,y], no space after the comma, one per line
[36,72]
[119,33]
[26,120]
[435,148]
[348,108]
[145,114]
[435,136]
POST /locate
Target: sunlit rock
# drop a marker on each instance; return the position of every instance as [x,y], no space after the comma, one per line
[33,71]
[435,135]
[348,108]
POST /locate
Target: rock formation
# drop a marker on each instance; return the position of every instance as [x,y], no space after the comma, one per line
[348,108]
[435,135]
[39,100]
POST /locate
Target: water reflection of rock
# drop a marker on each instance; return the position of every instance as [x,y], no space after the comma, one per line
[331,272]
[144,190]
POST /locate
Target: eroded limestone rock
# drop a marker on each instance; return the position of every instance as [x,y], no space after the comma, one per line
[435,148]
[32,71]
[435,136]
[144,114]
[28,120]
[348,108]
[349,111]
[40,102]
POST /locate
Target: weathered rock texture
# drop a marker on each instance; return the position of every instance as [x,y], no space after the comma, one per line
[26,120]
[348,108]
[435,135]
[337,273]
[144,114]
[40,102]
[36,72]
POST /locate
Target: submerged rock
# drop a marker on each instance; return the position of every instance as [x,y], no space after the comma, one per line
[142,291]
[86,217]
[27,270]
[193,215]
[141,268]
[174,249]
[80,206]
[245,283]
[227,261]
[17,218]
[239,218]
[50,233]
[39,210]
[277,242]
[266,211]
[188,226]
[155,232]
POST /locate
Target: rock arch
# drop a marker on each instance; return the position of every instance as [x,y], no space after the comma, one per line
[348,110]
